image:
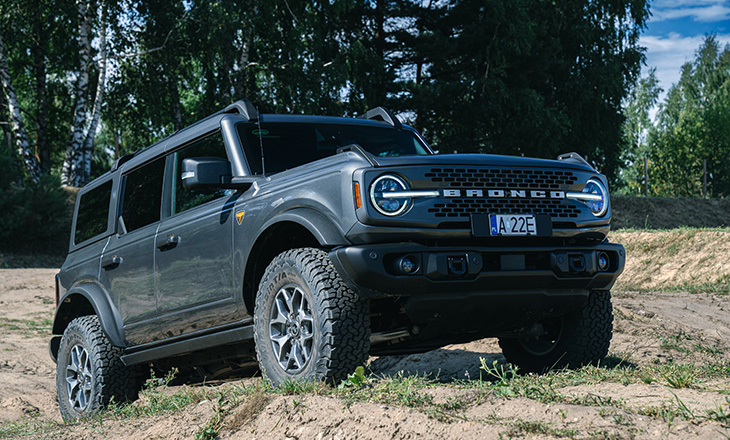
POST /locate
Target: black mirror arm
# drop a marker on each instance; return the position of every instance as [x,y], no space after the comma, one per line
[243,182]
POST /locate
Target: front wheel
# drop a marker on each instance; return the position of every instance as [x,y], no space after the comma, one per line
[90,372]
[308,325]
[579,338]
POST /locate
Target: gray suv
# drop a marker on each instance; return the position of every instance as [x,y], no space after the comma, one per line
[303,244]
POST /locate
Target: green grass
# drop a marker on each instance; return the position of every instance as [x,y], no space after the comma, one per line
[38,326]
[235,404]
[27,427]
[721,287]
[531,428]
[688,229]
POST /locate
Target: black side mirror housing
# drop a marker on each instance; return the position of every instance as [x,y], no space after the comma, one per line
[205,172]
[212,172]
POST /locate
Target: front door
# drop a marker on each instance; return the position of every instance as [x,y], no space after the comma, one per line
[194,251]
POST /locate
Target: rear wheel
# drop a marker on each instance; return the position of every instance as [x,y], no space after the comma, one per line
[579,338]
[308,325]
[89,372]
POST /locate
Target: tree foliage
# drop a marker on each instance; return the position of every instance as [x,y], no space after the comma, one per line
[693,124]
[532,77]
[529,77]
[643,97]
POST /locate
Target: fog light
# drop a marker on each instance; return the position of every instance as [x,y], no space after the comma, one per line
[603,261]
[407,264]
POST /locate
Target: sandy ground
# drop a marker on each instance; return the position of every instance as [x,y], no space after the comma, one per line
[647,326]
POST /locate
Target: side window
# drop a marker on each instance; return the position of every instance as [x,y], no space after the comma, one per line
[211,146]
[93,212]
[143,195]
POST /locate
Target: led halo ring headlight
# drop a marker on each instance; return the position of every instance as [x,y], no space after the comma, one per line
[390,206]
[595,187]
[594,195]
[598,203]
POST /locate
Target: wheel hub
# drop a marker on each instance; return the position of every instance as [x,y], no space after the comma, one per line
[291,328]
[544,341]
[79,379]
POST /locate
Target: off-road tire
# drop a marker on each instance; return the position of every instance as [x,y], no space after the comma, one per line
[583,339]
[107,376]
[339,320]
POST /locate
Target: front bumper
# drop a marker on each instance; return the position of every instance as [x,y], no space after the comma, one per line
[463,293]
[374,270]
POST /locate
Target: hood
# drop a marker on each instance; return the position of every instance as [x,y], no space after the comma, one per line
[479,160]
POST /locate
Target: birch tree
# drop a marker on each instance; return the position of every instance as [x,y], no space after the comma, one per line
[25,151]
[73,171]
[98,100]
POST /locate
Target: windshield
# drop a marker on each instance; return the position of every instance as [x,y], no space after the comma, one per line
[288,145]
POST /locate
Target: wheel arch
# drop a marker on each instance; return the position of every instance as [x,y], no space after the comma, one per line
[89,299]
[296,228]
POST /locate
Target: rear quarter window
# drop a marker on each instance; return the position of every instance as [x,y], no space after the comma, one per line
[93,213]
[143,195]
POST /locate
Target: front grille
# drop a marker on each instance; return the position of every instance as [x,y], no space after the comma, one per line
[502,177]
[466,207]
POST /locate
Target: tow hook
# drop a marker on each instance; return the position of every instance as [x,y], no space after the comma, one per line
[456,264]
[450,266]
[577,263]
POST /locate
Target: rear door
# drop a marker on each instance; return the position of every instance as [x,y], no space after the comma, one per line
[194,250]
[127,264]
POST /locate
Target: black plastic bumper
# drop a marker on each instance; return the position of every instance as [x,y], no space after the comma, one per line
[375,271]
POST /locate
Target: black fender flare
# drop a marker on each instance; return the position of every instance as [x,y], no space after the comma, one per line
[109,316]
[320,226]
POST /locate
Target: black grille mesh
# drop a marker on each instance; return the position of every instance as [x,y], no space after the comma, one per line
[466,207]
[502,177]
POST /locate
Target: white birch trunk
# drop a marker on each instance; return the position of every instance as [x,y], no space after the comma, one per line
[98,100]
[25,152]
[73,164]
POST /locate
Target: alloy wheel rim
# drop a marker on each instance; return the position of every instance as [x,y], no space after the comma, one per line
[291,328]
[545,343]
[79,379]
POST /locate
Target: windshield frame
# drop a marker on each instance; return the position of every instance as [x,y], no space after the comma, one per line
[252,137]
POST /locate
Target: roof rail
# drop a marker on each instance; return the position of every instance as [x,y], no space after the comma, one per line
[382,114]
[244,108]
[575,158]
[117,163]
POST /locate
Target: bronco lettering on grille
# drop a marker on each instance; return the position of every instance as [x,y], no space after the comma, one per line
[504,193]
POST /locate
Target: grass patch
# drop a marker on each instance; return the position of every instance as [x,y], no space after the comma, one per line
[235,405]
[721,287]
[38,326]
[688,229]
[533,427]
[28,427]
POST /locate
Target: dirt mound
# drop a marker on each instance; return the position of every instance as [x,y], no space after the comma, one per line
[668,213]
[679,259]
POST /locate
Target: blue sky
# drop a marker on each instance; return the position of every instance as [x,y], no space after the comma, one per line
[675,31]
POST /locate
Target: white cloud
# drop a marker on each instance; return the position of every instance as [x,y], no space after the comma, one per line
[708,11]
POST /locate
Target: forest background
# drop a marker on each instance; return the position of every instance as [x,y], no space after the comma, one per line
[86,81]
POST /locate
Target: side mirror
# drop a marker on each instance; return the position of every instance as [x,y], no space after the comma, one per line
[205,172]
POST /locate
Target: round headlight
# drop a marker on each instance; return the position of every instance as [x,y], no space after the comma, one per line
[385,205]
[599,203]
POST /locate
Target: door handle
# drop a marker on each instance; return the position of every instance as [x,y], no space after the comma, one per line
[111,262]
[169,242]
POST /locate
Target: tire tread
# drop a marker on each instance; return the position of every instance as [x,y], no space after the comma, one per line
[586,341]
[345,324]
[112,379]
